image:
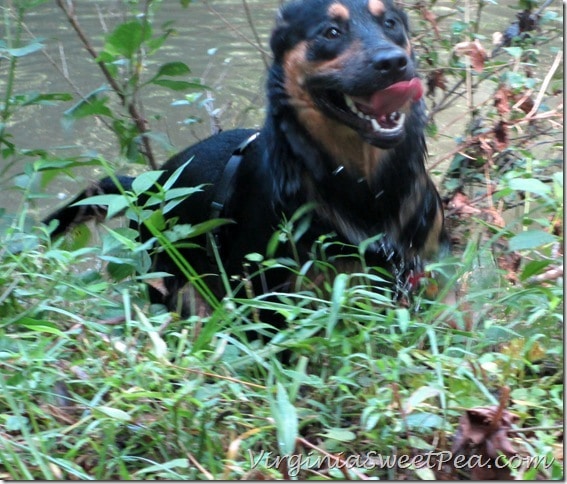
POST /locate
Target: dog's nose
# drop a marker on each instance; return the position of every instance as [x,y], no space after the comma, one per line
[390,61]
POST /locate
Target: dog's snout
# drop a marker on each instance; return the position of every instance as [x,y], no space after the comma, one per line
[390,61]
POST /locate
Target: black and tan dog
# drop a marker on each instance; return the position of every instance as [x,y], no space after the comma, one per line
[344,134]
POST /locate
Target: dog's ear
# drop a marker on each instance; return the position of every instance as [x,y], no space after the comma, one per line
[278,41]
[280,21]
[286,33]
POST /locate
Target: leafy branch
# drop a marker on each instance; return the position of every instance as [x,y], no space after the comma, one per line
[68,9]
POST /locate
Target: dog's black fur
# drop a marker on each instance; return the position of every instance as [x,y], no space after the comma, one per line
[314,149]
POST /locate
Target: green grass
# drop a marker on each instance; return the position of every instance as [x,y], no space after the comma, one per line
[94,385]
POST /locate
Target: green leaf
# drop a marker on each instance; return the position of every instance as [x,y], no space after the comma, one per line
[114,413]
[178,85]
[419,396]
[181,463]
[76,238]
[155,43]
[120,238]
[176,195]
[15,423]
[285,417]
[145,181]
[156,219]
[59,164]
[175,175]
[117,206]
[173,69]
[119,270]
[422,420]
[531,239]
[418,443]
[514,51]
[342,435]
[186,231]
[532,185]
[114,203]
[255,257]
[370,420]
[181,192]
[403,319]
[338,297]
[40,326]
[534,267]
[90,108]
[50,99]
[92,105]
[97,200]
[127,39]
[159,345]
[170,69]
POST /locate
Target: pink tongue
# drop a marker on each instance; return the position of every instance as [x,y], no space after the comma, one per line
[392,98]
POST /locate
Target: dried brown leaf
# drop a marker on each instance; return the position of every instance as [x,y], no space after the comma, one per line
[525,103]
[436,79]
[483,431]
[475,51]
[502,100]
[461,204]
[501,139]
[432,19]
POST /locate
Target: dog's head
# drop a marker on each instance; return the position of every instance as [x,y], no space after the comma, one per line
[348,68]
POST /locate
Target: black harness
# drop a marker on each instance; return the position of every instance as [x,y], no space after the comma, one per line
[407,276]
[224,191]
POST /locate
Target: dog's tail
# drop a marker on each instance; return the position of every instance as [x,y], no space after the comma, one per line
[72,214]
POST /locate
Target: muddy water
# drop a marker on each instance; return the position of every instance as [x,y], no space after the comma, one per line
[214,39]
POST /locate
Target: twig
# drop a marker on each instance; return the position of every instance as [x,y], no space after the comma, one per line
[140,122]
[265,57]
[220,377]
[550,275]
[545,83]
[533,429]
[342,464]
[213,113]
[546,4]
[63,70]
[503,404]
[472,140]
[198,465]
[258,47]
[468,68]
[101,19]
[445,102]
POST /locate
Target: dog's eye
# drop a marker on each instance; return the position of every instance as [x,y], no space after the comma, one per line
[332,33]
[390,23]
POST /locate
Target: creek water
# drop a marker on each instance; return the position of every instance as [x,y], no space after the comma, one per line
[215,39]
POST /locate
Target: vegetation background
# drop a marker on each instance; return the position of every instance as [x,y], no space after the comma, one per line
[96,384]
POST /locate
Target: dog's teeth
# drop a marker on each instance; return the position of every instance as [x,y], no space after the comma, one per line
[350,104]
[395,118]
[375,125]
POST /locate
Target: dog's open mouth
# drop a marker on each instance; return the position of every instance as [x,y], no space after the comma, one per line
[379,118]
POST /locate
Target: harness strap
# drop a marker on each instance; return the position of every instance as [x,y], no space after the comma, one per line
[225,189]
